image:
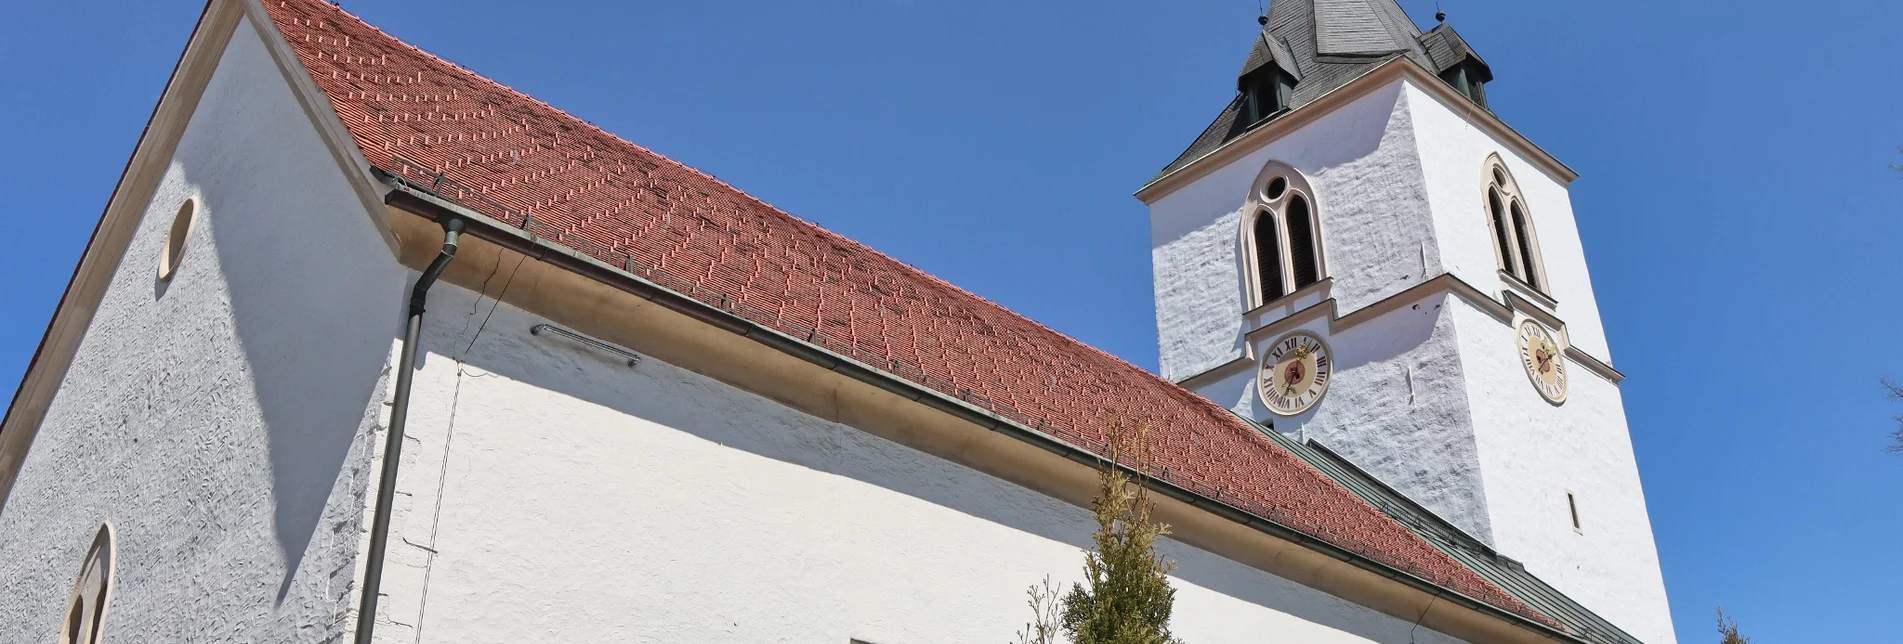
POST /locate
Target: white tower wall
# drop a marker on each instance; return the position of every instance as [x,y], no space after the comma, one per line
[1428,393]
[1397,406]
[1362,163]
[1532,453]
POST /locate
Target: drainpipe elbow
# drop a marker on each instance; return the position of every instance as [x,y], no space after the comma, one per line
[452,234]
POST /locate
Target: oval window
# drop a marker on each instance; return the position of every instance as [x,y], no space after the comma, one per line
[175,239]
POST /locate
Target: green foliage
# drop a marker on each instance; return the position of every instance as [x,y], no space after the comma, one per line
[1895,392]
[1126,597]
[1729,629]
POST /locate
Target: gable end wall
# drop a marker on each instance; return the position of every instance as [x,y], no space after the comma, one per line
[219,420]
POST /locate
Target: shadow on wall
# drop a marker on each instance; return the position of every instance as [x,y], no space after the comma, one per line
[504,347]
[315,324]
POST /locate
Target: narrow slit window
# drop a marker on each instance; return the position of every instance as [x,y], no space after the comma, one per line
[1284,238]
[1572,506]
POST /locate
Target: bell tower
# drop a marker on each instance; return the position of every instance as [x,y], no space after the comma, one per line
[1358,252]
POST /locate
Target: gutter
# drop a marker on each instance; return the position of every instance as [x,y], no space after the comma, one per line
[421,202]
[399,415]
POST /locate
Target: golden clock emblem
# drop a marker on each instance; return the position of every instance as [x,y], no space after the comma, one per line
[1545,366]
[1295,372]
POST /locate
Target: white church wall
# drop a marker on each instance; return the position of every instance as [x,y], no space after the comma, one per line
[1533,452]
[1396,408]
[1453,156]
[218,420]
[1376,233]
[552,492]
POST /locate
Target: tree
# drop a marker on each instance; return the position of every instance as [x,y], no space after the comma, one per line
[1895,392]
[1126,597]
[1045,615]
[1729,629]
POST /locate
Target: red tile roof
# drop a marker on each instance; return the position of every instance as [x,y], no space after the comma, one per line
[614,199]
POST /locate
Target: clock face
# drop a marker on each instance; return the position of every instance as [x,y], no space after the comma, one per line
[1295,373]
[1544,364]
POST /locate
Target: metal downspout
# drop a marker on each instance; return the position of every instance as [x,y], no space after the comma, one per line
[393,447]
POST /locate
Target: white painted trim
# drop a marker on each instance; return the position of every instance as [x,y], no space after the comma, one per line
[330,127]
[106,250]
[1445,282]
[1399,68]
[1324,286]
[1514,286]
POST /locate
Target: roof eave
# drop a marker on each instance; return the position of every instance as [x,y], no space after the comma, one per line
[1398,68]
[420,201]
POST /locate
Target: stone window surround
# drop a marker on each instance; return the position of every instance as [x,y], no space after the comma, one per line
[1259,202]
[84,622]
[177,235]
[1508,309]
[1492,171]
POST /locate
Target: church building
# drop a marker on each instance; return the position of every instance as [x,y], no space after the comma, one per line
[367,347]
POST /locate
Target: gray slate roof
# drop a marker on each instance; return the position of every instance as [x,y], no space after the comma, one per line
[1324,44]
[1504,572]
[1446,48]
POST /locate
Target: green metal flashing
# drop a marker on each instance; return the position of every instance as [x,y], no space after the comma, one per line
[1503,571]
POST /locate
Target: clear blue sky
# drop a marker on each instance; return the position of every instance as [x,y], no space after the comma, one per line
[1736,200]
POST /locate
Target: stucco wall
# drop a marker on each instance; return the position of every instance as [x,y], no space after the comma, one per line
[218,420]
[1453,155]
[554,493]
[1429,397]
[1398,408]
[1533,452]
[1377,237]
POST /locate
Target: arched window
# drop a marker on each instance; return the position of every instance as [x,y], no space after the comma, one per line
[1282,235]
[1514,241]
[85,618]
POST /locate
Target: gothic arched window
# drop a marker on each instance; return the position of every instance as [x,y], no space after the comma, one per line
[1282,235]
[1514,241]
[85,618]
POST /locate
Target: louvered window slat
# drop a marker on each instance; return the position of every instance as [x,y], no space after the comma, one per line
[1268,256]
[1301,242]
